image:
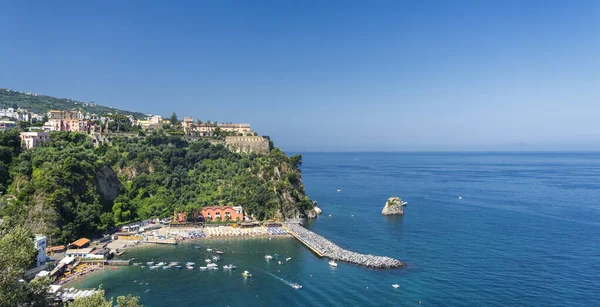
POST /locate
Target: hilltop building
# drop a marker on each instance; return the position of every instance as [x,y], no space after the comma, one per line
[32,139]
[70,120]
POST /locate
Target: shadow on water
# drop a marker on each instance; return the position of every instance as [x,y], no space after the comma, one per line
[393,219]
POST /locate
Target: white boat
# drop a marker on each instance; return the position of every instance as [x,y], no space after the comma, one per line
[189,267]
[229,267]
[154,267]
[296,286]
[279,262]
[339,190]
[268,257]
[288,259]
[332,263]
[160,263]
[212,265]
[219,252]
[190,263]
[203,268]
[396,286]
[460,197]
[150,263]
[246,274]
[216,258]
[208,261]
[166,267]
[174,263]
[209,249]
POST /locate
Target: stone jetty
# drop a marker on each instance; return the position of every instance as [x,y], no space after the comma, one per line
[332,251]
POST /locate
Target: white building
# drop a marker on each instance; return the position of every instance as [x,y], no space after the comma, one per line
[33,139]
[40,246]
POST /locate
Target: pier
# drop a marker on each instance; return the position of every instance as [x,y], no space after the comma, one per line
[325,248]
[108,262]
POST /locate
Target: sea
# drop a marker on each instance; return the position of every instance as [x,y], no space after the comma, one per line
[480,229]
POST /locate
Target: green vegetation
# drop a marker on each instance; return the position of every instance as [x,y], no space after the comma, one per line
[98,300]
[68,188]
[17,253]
[42,104]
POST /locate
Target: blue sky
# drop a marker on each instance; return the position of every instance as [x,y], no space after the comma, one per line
[327,75]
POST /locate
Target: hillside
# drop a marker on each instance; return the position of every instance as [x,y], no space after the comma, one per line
[41,104]
[68,188]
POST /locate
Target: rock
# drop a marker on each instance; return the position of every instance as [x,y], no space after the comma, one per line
[108,183]
[393,206]
[318,210]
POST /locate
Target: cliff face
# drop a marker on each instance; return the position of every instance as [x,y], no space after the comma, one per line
[108,184]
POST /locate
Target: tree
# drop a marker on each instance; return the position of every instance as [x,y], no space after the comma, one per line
[296,161]
[17,253]
[173,119]
[98,300]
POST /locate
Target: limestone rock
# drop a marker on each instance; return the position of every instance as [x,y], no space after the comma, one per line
[318,210]
[393,206]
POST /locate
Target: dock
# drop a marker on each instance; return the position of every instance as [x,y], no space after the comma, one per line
[171,241]
[108,262]
[303,242]
[325,248]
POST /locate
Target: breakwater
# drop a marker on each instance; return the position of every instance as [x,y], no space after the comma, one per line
[332,251]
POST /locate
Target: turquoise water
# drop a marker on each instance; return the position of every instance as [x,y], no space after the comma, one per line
[525,233]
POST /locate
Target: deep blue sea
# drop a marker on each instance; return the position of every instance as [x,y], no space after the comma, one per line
[525,233]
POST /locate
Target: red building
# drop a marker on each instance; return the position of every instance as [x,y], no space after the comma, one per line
[223,213]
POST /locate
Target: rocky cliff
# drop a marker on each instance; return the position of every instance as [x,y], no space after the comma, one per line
[393,206]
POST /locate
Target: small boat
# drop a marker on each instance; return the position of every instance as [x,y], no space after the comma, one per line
[209,249]
[460,197]
[190,263]
[208,261]
[147,290]
[332,263]
[396,286]
[150,263]
[219,252]
[246,274]
[212,265]
[229,267]
[279,262]
[203,268]
[166,267]
[178,267]
[154,267]
[296,286]
[189,267]
[288,259]
[174,263]
[339,190]
[160,263]
[268,257]
[216,258]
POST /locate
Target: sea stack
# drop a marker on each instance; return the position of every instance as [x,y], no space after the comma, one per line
[393,206]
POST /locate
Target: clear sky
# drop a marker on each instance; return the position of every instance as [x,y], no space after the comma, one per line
[326,75]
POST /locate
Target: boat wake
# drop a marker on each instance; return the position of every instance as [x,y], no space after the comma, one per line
[291,284]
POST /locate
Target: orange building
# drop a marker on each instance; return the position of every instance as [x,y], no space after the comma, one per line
[223,213]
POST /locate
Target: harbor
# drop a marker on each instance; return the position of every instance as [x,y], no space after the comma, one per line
[325,248]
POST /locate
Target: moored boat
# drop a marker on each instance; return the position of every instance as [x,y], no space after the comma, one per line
[246,274]
[219,252]
[333,263]
[190,263]
[268,257]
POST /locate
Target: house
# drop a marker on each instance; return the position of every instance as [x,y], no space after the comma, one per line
[81,243]
[80,252]
[55,249]
[223,213]
[32,139]
[7,124]
[40,246]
